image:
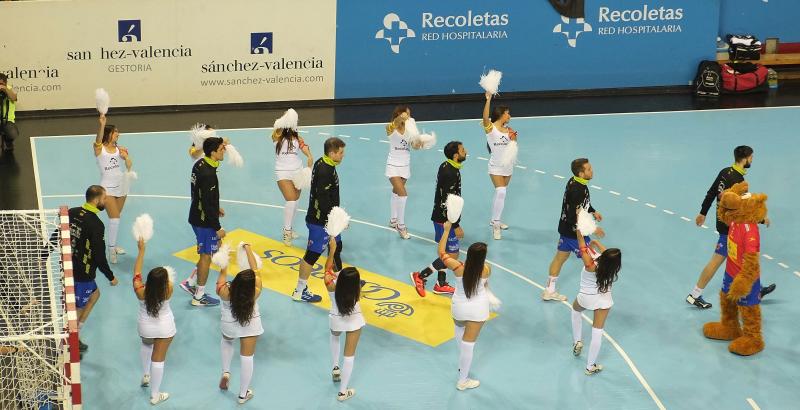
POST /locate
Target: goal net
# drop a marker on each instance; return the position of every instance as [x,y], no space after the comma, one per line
[39,356]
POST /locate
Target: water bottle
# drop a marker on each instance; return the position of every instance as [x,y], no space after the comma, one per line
[772,78]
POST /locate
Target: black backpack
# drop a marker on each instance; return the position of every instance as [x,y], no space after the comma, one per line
[708,80]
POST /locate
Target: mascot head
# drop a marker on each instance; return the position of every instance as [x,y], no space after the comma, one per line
[736,204]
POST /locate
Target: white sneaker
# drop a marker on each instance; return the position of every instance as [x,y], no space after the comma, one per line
[553,296]
[496,232]
[112,255]
[594,369]
[403,231]
[467,384]
[163,396]
[336,374]
[576,348]
[346,395]
[247,396]
[145,380]
[502,225]
[119,250]
[287,237]
[393,223]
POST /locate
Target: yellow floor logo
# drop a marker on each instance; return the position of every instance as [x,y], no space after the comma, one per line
[387,303]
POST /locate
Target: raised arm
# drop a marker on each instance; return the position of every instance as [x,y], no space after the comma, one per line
[98,139]
[487,122]
[588,262]
[138,284]
[222,284]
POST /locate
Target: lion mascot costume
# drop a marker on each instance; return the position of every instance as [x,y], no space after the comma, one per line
[741,287]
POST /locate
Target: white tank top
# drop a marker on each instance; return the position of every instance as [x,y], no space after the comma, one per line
[498,142]
[227,315]
[110,166]
[589,279]
[165,312]
[335,309]
[399,152]
[288,158]
[460,297]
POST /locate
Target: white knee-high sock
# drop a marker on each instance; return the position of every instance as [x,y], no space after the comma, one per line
[499,203]
[465,360]
[594,347]
[146,353]
[393,203]
[113,230]
[288,214]
[156,375]
[459,334]
[226,347]
[347,370]
[335,344]
[247,374]
[401,210]
[577,326]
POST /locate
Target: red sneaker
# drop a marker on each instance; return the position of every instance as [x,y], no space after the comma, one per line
[419,283]
[444,289]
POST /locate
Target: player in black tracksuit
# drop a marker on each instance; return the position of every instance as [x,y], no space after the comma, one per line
[88,252]
[324,196]
[448,181]
[728,177]
[576,195]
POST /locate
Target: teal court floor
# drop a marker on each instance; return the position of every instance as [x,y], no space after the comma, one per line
[651,173]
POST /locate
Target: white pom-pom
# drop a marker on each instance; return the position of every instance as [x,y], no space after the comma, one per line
[491,81]
[222,257]
[234,156]
[127,181]
[171,274]
[494,302]
[143,227]
[302,178]
[338,220]
[454,204]
[287,121]
[199,133]
[243,262]
[411,128]
[423,141]
[102,100]
[586,223]
[510,154]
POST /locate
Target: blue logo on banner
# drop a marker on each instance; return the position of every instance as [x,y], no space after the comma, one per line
[129,31]
[261,43]
[394,31]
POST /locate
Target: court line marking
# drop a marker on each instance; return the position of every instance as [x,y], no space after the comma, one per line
[559,176]
[650,205]
[610,339]
[630,198]
[614,193]
[753,404]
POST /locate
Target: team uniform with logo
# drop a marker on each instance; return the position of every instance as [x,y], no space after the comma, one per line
[743,238]
[498,143]
[88,251]
[398,163]
[111,175]
[287,160]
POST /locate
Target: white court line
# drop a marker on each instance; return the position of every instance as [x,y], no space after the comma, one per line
[630,198]
[521,167]
[767,256]
[703,226]
[461,120]
[783,265]
[614,193]
[483,159]
[597,187]
[36,174]
[303,132]
[539,171]
[686,219]
[667,211]
[558,176]
[650,205]
[325,134]
[611,340]
[387,142]
[797,274]
[344,136]
[363,138]
[753,404]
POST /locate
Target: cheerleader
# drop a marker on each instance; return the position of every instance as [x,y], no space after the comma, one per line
[110,158]
[498,136]
[241,320]
[470,305]
[600,270]
[288,146]
[156,324]
[398,167]
[345,316]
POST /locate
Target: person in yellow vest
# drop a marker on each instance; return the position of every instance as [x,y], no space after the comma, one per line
[8,102]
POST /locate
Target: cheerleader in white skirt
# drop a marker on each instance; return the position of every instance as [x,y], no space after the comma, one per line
[498,136]
[110,161]
[156,324]
[345,316]
[470,303]
[241,320]
[288,146]
[600,270]
[398,167]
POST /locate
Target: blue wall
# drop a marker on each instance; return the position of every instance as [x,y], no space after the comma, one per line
[623,43]
[775,18]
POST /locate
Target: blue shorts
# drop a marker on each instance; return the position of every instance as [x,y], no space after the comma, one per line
[318,238]
[83,291]
[207,240]
[571,245]
[722,246]
[452,241]
[752,298]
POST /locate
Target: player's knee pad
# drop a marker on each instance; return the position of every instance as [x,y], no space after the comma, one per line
[311,257]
